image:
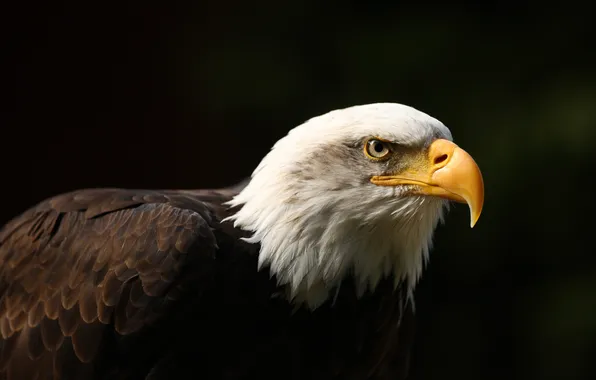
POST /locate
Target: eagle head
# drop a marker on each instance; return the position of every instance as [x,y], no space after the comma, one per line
[355,192]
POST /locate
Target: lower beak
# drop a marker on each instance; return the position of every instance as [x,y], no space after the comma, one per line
[447,172]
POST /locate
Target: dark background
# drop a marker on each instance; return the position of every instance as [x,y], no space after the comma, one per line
[191,96]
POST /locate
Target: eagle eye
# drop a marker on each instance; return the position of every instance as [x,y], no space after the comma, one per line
[376,149]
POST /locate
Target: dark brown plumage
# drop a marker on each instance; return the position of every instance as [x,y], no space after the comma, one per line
[139,284]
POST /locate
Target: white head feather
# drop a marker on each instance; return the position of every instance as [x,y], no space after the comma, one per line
[318,218]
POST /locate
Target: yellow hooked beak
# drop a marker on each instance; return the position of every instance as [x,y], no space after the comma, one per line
[448,172]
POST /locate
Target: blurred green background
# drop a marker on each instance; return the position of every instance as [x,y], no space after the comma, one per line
[189,96]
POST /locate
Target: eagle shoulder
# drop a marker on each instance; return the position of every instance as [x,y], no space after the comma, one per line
[79,262]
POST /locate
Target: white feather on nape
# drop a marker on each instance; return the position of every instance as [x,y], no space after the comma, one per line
[318,218]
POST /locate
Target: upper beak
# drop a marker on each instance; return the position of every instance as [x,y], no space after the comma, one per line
[448,172]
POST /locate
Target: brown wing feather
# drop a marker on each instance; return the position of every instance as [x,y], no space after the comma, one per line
[86,261]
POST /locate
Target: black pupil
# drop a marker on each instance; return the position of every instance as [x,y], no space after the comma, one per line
[378,147]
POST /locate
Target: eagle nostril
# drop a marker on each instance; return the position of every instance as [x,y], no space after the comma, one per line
[440,159]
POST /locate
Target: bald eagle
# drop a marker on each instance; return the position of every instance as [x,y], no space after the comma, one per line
[306,271]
